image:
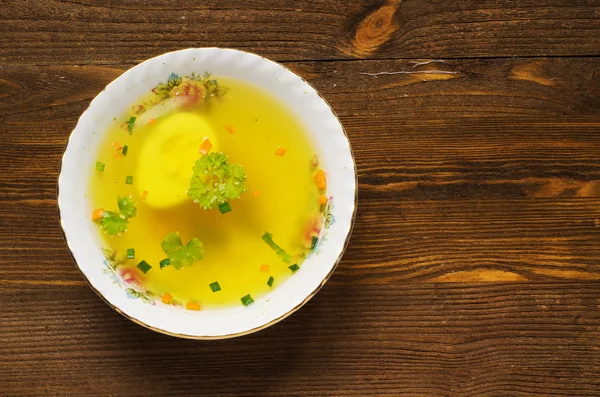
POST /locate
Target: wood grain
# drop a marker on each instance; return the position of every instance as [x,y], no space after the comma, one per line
[505,189]
[474,265]
[516,339]
[104,32]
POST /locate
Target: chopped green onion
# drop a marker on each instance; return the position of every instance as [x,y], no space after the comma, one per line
[164,263]
[144,266]
[125,150]
[313,245]
[268,238]
[130,253]
[215,286]
[246,300]
[100,166]
[270,282]
[294,268]
[225,207]
[130,125]
[129,180]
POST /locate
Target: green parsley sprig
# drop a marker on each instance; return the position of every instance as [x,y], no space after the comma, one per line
[115,222]
[181,255]
[215,181]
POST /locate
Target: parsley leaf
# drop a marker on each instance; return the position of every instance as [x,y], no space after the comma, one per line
[113,223]
[127,206]
[181,255]
[214,181]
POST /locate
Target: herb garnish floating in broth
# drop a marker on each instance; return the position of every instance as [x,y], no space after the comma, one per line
[218,191]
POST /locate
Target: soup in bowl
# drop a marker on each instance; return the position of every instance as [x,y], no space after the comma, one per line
[207,193]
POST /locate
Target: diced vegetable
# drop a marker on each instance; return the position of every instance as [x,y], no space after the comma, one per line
[117,145]
[129,180]
[130,253]
[280,152]
[270,282]
[264,268]
[164,263]
[268,238]
[247,299]
[144,194]
[294,268]
[205,147]
[166,298]
[321,180]
[98,214]
[144,266]
[130,125]
[225,207]
[192,306]
[100,166]
[214,287]
[314,242]
[284,255]
[322,199]
[125,150]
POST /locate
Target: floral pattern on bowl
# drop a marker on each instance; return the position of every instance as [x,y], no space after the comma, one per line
[121,290]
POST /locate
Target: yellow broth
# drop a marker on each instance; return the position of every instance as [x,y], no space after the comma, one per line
[248,125]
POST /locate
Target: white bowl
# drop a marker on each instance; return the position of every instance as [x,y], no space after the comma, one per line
[83,237]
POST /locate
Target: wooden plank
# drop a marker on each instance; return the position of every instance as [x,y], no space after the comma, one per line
[101,32]
[395,239]
[492,175]
[390,340]
[407,92]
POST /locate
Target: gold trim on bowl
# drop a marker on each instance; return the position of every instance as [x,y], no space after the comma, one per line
[274,321]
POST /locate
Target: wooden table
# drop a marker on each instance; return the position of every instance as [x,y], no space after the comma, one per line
[474,268]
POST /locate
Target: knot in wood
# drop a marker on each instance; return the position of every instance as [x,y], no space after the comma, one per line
[375,29]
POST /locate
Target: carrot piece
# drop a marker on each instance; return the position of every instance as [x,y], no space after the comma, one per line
[192,306]
[264,268]
[205,147]
[321,180]
[322,199]
[117,146]
[144,194]
[151,121]
[256,193]
[230,129]
[280,152]
[166,298]
[97,214]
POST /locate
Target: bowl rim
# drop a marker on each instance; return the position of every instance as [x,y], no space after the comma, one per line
[254,329]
